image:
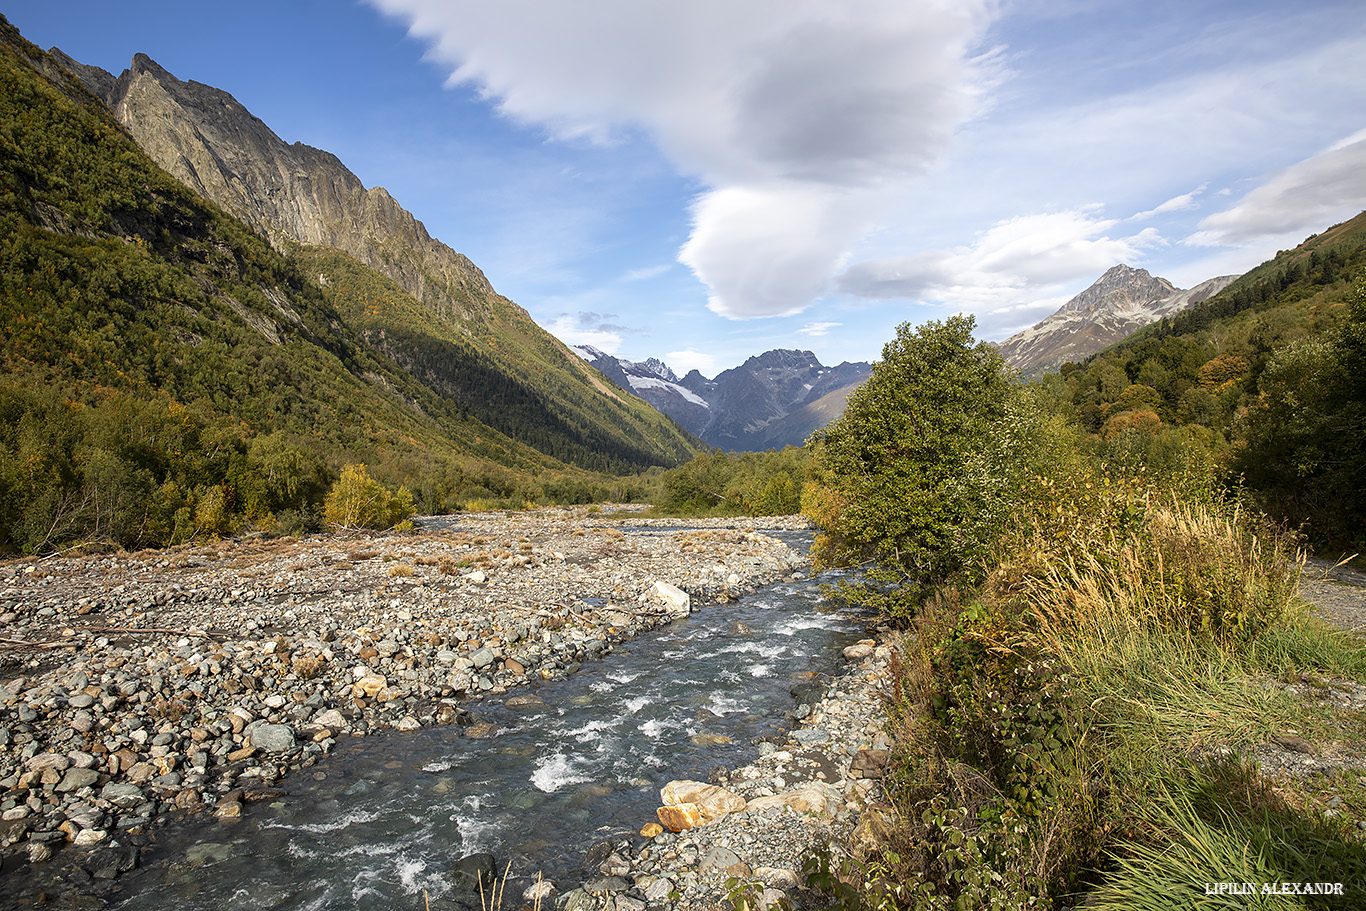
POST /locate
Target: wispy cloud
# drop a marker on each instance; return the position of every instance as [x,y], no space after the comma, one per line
[1175,204]
[1307,196]
[816,330]
[1027,252]
[646,273]
[588,329]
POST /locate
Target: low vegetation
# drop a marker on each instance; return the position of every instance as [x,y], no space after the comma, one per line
[1096,628]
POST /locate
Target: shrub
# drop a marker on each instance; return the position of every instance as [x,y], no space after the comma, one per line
[901,477]
[357,500]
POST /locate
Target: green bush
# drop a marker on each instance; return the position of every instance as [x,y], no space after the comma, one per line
[911,478]
[357,500]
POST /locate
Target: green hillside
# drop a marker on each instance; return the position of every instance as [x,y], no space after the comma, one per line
[168,375]
[1263,381]
[507,373]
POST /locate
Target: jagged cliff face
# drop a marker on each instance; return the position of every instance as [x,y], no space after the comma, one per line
[213,144]
[1121,302]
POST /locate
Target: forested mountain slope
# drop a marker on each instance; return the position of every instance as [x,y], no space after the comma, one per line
[451,328]
[1263,378]
[166,373]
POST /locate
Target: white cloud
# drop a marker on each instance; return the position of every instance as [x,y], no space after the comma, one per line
[1307,196]
[568,330]
[1175,204]
[799,116]
[816,330]
[683,362]
[646,273]
[1027,255]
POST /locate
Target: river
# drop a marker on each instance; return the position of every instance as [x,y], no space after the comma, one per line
[381,822]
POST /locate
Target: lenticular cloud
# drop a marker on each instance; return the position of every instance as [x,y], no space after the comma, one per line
[801,116]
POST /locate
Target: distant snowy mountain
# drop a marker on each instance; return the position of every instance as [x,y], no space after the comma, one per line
[1121,302]
[774,399]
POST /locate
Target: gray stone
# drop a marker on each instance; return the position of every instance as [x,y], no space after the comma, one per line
[677,603]
[273,738]
[576,900]
[475,872]
[481,658]
[108,863]
[122,795]
[607,884]
[76,779]
[718,860]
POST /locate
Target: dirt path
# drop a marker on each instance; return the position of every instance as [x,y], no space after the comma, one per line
[1338,593]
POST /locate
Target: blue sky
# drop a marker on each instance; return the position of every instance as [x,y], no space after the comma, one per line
[704,181]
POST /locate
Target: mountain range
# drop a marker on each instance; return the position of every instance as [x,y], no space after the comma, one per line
[1120,302]
[772,400]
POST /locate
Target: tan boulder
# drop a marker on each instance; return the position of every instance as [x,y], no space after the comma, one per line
[680,817]
[815,798]
[369,685]
[688,804]
[713,802]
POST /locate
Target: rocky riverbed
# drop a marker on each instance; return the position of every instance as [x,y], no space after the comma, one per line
[191,680]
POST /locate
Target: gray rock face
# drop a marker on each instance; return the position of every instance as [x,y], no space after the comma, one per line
[289,192]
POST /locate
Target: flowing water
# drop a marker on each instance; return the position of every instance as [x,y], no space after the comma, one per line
[380,823]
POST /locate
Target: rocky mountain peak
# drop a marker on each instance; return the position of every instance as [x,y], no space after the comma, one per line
[1120,289]
[1120,302]
[292,193]
[656,367]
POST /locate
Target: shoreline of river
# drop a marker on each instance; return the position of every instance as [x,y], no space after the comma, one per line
[192,679]
[813,792]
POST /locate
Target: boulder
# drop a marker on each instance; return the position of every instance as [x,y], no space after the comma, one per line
[75,779]
[475,873]
[688,804]
[370,685]
[815,798]
[677,603]
[680,818]
[718,860]
[273,738]
[108,863]
[122,795]
[868,763]
[332,719]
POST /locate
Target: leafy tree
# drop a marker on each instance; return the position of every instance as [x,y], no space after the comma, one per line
[1306,434]
[912,476]
[359,501]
